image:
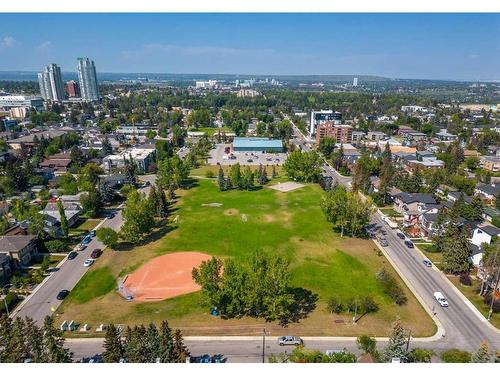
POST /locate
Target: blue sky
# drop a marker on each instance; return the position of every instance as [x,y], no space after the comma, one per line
[434,46]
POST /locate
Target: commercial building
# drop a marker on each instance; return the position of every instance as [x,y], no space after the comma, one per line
[244,144]
[137,130]
[247,93]
[320,117]
[341,133]
[14,101]
[18,112]
[73,89]
[51,84]
[355,81]
[88,80]
[210,84]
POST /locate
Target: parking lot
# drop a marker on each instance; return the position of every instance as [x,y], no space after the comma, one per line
[218,156]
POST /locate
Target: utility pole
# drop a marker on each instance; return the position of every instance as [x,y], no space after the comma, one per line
[493,294]
[408,342]
[263,345]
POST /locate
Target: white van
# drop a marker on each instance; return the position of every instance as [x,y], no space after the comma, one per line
[441,300]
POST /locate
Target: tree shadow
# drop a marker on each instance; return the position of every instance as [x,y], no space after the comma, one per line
[152,237]
[191,183]
[304,303]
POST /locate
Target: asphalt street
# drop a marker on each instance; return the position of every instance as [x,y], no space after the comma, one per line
[43,301]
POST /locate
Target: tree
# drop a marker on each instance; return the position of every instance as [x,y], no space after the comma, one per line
[76,155]
[475,209]
[172,173]
[386,173]
[152,344]
[138,218]
[113,347]
[91,201]
[166,347]
[327,146]
[236,177]
[247,178]
[346,210]
[178,135]
[482,355]
[108,236]
[418,355]
[163,203]
[456,249]
[455,356]
[210,277]
[63,220]
[53,342]
[396,347]
[221,180]
[303,166]
[367,344]
[107,149]
[180,350]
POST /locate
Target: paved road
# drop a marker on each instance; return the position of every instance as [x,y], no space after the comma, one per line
[43,301]
[463,327]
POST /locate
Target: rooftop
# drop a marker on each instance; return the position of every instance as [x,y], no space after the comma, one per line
[257,142]
[14,243]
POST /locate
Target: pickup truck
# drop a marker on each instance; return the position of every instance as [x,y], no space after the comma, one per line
[290,340]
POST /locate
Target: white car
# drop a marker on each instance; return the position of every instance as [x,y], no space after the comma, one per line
[88,262]
[289,340]
[441,299]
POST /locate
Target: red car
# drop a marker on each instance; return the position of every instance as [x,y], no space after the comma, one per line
[96,253]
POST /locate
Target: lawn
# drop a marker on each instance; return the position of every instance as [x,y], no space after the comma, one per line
[83,226]
[470,293]
[291,224]
[390,211]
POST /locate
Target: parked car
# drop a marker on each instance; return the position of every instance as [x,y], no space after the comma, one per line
[62,294]
[383,242]
[96,253]
[290,340]
[110,215]
[72,255]
[441,299]
[401,235]
[92,233]
[81,247]
[86,240]
[88,262]
[383,231]
[218,358]
[409,244]
[249,161]
[427,263]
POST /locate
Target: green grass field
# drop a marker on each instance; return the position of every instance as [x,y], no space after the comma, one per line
[291,224]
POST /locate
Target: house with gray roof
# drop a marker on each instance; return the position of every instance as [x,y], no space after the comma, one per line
[20,249]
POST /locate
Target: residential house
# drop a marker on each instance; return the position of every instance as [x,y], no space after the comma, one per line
[490,213]
[444,136]
[412,138]
[482,235]
[413,206]
[72,212]
[490,163]
[375,136]
[58,163]
[357,136]
[428,225]
[20,249]
[487,192]
[5,267]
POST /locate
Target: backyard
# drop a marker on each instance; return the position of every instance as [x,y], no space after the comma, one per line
[290,224]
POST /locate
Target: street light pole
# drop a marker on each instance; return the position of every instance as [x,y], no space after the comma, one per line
[263,345]
[408,342]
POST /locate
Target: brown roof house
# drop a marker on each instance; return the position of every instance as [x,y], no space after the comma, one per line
[20,249]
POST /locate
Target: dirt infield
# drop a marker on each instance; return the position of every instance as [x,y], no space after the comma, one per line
[164,277]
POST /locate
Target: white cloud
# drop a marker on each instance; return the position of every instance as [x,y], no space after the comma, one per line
[44,46]
[7,42]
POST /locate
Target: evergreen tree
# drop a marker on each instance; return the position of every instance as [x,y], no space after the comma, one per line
[482,355]
[5,337]
[476,209]
[235,176]
[166,348]
[221,180]
[163,208]
[64,220]
[53,343]
[113,347]
[106,147]
[154,201]
[152,344]
[34,341]
[396,347]
[17,348]
[386,173]
[180,351]
[456,250]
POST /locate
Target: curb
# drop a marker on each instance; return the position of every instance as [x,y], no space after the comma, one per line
[464,299]
[38,287]
[440,332]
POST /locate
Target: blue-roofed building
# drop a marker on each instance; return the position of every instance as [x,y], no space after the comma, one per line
[243,144]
